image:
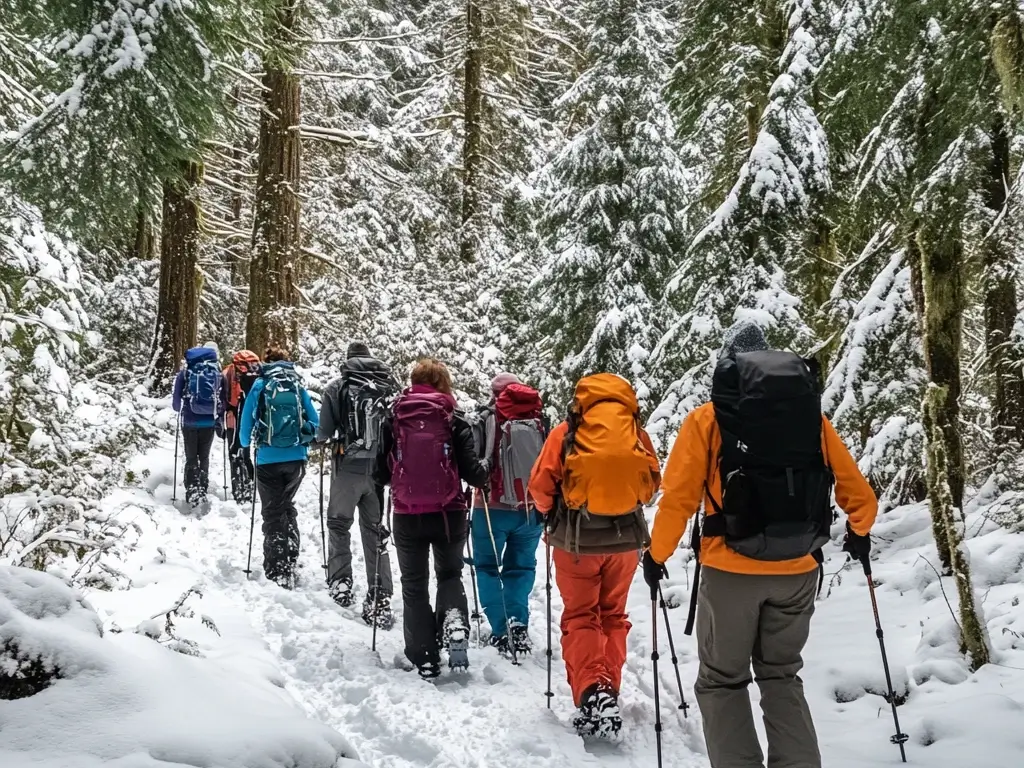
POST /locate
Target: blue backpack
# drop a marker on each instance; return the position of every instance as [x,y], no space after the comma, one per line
[283,422]
[202,381]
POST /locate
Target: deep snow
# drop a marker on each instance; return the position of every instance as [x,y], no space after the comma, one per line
[496,716]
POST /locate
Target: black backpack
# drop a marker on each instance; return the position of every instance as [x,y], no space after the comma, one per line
[776,484]
[367,388]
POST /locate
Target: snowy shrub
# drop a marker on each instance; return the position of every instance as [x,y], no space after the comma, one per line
[873,393]
[117,696]
[34,611]
[61,436]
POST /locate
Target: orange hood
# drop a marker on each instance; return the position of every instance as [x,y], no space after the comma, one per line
[605,386]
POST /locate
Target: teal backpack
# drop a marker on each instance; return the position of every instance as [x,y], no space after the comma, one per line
[283,422]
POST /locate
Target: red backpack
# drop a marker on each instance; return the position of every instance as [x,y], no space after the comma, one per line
[518,442]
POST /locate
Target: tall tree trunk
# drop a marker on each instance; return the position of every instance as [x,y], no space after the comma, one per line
[178,299]
[276,245]
[144,241]
[973,641]
[1001,300]
[472,146]
[941,250]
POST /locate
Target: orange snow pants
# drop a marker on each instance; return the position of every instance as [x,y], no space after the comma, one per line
[594,622]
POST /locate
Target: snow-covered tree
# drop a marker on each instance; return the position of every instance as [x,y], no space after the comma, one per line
[741,264]
[616,195]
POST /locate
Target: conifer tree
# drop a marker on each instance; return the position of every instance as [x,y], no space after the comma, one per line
[615,195]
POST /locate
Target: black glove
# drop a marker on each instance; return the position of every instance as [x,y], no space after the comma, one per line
[218,428]
[856,545]
[654,572]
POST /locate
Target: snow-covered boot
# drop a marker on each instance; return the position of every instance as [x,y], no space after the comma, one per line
[500,643]
[285,579]
[429,670]
[519,638]
[456,639]
[341,592]
[599,714]
[378,607]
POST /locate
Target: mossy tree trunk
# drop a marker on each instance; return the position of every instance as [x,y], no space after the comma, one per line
[973,640]
[1000,278]
[941,250]
[276,242]
[178,295]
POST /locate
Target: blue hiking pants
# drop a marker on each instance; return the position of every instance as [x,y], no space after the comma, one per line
[516,537]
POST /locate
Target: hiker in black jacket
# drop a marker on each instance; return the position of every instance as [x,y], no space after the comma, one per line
[353,406]
[427,452]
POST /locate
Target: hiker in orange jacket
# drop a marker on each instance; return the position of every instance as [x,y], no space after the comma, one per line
[595,474]
[754,609]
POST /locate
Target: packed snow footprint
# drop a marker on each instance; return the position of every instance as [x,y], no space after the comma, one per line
[494,714]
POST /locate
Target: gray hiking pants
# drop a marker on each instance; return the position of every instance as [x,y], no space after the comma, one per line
[759,621]
[351,490]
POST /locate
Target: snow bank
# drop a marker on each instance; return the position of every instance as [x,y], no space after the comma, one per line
[124,698]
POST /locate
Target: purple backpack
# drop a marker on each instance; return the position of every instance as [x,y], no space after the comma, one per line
[424,474]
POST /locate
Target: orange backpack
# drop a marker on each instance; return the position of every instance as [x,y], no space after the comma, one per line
[606,467]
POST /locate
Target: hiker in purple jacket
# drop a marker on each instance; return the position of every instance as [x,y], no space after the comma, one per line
[427,453]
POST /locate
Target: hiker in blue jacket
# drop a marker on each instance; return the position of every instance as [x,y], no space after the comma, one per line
[200,398]
[280,412]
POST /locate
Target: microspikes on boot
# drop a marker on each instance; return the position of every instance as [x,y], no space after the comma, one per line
[599,715]
[456,640]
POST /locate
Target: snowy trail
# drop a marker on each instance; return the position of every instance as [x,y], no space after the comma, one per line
[496,717]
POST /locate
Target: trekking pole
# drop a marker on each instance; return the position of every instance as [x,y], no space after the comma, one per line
[323,529]
[472,578]
[382,547]
[672,649]
[501,581]
[252,514]
[224,456]
[900,738]
[549,694]
[177,435]
[654,660]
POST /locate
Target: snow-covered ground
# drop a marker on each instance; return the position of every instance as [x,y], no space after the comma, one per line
[258,639]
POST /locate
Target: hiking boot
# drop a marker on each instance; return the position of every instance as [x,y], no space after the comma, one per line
[341,592]
[379,609]
[456,639]
[284,579]
[599,714]
[429,670]
[500,644]
[520,638]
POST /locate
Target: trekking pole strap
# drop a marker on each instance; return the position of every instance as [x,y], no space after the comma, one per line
[691,614]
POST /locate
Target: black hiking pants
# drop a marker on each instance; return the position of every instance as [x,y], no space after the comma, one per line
[416,536]
[277,485]
[241,468]
[198,441]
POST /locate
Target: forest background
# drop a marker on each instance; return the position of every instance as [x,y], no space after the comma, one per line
[543,186]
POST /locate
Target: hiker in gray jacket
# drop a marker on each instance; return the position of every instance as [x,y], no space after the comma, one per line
[354,406]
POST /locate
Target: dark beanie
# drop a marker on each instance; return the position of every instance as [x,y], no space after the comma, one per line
[743,336]
[358,349]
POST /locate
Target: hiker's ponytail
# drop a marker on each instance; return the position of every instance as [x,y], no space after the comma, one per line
[275,353]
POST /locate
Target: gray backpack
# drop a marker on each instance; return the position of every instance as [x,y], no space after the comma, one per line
[519,445]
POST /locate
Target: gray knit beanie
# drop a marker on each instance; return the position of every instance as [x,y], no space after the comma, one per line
[743,336]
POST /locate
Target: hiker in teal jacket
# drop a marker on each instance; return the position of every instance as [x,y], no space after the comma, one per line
[279,470]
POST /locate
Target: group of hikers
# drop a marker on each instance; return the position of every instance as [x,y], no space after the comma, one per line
[760,460]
